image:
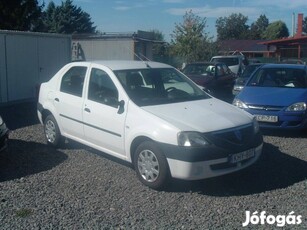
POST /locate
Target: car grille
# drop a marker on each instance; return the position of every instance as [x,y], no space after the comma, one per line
[228,165]
[231,137]
[265,107]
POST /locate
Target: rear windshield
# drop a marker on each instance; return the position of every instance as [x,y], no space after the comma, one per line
[228,61]
[279,77]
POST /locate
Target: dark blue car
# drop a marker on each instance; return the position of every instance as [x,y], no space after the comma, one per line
[276,94]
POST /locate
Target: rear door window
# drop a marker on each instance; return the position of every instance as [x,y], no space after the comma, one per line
[73,80]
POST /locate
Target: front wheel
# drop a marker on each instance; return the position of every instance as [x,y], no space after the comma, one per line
[52,131]
[151,165]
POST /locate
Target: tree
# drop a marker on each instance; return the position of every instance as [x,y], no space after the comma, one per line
[276,30]
[159,44]
[189,40]
[20,14]
[232,27]
[257,28]
[67,19]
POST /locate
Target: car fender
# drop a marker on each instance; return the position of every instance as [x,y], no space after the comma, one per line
[147,126]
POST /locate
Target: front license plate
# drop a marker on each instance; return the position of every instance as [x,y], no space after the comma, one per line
[242,156]
[267,118]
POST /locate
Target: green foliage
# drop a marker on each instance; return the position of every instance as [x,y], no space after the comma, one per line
[20,14]
[257,28]
[276,30]
[190,41]
[66,19]
[159,45]
[232,27]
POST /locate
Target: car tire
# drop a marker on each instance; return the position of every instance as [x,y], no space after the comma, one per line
[151,165]
[52,132]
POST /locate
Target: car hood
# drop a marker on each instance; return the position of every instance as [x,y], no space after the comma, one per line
[201,115]
[272,96]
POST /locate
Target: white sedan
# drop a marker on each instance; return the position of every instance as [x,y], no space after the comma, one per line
[151,115]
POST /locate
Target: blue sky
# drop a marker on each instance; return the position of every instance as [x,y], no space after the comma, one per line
[162,15]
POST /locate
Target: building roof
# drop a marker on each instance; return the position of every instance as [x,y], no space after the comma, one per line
[139,35]
[286,41]
[243,46]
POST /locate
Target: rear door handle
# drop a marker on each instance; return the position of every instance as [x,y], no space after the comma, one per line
[57,99]
[87,110]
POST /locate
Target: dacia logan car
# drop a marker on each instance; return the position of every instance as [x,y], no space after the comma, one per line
[151,115]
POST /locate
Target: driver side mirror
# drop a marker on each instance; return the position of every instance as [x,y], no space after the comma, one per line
[121,106]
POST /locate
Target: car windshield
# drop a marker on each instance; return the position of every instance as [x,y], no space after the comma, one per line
[199,69]
[279,77]
[228,61]
[155,86]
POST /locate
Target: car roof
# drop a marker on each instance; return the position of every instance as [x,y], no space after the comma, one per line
[229,56]
[127,64]
[202,62]
[254,65]
[288,66]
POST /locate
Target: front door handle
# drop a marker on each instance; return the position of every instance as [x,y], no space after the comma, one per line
[87,110]
[57,99]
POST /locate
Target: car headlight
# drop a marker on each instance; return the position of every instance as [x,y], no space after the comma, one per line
[255,125]
[1,121]
[193,139]
[238,87]
[300,106]
[239,103]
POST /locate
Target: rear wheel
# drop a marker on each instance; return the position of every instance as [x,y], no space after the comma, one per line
[151,165]
[52,132]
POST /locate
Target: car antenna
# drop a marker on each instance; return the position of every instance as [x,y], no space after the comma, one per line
[143,58]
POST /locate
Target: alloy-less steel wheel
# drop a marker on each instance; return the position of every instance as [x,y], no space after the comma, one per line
[150,165]
[52,131]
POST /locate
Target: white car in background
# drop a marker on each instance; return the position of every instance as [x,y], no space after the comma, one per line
[234,62]
[151,115]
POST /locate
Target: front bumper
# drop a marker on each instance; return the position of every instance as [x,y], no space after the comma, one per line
[193,163]
[209,168]
[286,120]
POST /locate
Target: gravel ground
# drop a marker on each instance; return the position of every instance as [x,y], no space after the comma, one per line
[79,188]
